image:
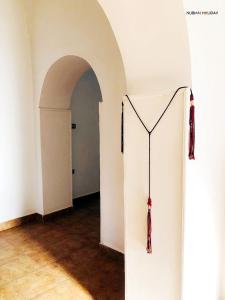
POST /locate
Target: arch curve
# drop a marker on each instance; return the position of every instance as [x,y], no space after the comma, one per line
[60,81]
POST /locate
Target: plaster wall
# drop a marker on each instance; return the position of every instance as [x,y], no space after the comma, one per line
[85,138]
[204,243]
[56,159]
[155,276]
[17,147]
[156,62]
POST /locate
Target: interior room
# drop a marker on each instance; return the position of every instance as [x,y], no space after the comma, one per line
[112,150]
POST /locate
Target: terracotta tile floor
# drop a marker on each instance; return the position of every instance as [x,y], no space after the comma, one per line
[60,259]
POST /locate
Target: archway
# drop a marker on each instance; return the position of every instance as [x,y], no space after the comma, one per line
[55,145]
[92,39]
[55,122]
[56,131]
[56,158]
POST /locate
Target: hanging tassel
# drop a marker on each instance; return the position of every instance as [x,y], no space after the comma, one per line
[192,128]
[122,130]
[149,227]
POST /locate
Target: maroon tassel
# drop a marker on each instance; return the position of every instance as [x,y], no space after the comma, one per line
[149,227]
[192,128]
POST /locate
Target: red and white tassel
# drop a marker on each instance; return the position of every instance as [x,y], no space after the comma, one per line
[149,227]
[192,128]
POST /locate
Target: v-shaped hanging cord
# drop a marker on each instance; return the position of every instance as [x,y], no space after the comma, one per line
[191,152]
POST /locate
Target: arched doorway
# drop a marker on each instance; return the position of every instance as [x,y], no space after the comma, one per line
[60,86]
[70,169]
[55,122]
[65,100]
[55,154]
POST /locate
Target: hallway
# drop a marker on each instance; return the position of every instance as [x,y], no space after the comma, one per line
[60,259]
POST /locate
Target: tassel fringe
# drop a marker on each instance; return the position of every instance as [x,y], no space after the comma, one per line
[192,128]
[122,129]
[149,227]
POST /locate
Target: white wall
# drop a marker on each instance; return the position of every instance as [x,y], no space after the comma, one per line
[152,37]
[156,276]
[56,159]
[17,158]
[85,138]
[204,252]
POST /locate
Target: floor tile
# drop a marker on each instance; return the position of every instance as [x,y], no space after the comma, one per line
[60,259]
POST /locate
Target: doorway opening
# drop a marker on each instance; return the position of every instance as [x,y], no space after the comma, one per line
[70,130]
[55,156]
[85,139]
